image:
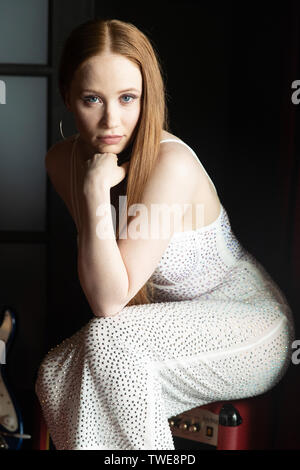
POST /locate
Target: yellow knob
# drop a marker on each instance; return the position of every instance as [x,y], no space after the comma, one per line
[184,426]
[174,422]
[195,427]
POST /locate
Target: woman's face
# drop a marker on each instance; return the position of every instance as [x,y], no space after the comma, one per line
[105,97]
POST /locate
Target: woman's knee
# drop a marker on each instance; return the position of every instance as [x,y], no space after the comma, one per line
[114,336]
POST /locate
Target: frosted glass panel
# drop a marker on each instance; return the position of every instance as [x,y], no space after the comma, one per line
[23,144]
[24,31]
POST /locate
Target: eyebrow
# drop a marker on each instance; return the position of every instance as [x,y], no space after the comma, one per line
[122,91]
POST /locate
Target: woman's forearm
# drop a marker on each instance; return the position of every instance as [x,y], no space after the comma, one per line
[101,269]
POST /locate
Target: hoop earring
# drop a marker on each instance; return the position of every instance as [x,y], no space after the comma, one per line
[61,131]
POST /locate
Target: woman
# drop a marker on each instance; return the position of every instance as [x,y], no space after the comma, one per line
[183,316]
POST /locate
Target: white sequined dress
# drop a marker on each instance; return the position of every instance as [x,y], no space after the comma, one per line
[218,328]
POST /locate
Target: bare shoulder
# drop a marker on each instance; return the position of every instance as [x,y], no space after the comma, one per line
[58,154]
[183,153]
[179,157]
[175,149]
[193,171]
[57,163]
[173,179]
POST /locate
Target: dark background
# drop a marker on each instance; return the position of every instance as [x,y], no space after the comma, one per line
[229,67]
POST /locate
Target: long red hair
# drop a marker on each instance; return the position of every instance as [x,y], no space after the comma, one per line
[115,36]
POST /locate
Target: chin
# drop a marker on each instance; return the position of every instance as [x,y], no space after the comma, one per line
[103,144]
[112,148]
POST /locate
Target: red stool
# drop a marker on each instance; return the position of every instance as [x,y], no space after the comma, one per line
[244,424]
[41,437]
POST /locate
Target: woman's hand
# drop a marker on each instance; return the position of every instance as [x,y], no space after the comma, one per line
[103,169]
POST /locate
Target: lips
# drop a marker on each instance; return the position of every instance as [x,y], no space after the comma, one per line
[110,136]
[111,139]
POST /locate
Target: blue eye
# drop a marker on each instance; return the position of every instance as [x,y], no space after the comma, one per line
[130,96]
[86,99]
[91,99]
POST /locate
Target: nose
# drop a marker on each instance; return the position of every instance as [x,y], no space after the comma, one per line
[111,116]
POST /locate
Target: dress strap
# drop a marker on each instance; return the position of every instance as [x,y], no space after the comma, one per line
[194,154]
[73,184]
